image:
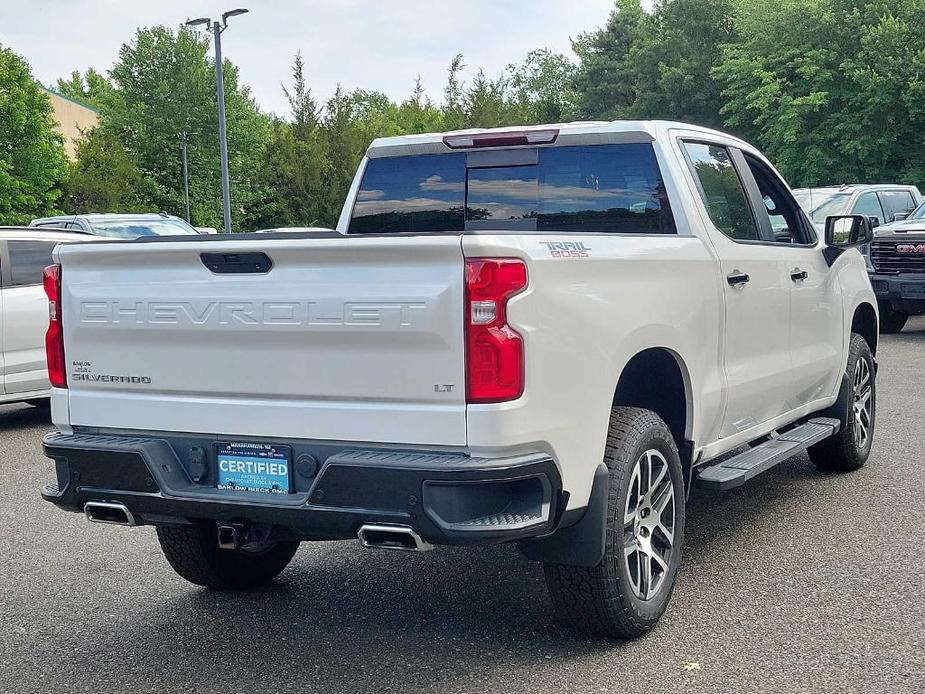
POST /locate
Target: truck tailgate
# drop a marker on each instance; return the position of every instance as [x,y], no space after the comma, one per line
[350,339]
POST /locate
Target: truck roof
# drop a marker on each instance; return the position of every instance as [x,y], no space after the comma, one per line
[578,132]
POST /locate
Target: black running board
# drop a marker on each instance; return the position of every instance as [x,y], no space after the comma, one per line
[740,469]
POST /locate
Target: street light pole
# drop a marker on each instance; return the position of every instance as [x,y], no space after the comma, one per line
[222,135]
[217,29]
[185,176]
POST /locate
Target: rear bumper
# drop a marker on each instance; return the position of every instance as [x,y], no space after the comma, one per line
[904,293]
[447,498]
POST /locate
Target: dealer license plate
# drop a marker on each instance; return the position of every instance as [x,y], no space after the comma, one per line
[253,467]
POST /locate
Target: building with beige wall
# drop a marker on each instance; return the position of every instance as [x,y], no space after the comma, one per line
[72,118]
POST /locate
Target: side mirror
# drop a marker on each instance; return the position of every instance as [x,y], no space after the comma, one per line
[847,231]
[900,216]
[874,221]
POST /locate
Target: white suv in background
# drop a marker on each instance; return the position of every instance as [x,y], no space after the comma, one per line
[24,254]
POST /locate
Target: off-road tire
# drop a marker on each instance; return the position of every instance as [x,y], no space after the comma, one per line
[841,452]
[892,322]
[193,552]
[600,600]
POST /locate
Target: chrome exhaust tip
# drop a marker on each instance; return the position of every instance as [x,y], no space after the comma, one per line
[397,537]
[108,512]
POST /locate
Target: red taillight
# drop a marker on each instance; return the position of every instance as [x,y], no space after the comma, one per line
[54,336]
[501,139]
[494,351]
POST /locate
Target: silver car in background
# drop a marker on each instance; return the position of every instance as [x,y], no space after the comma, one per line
[883,203]
[119,226]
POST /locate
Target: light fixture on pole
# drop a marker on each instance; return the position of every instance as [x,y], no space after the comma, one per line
[217,29]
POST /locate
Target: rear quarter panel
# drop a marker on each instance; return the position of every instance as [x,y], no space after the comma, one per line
[583,319]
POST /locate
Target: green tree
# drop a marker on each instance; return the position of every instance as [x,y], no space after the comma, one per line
[165,86]
[832,90]
[606,81]
[344,144]
[32,159]
[293,166]
[418,114]
[672,59]
[454,110]
[106,177]
[302,106]
[542,88]
[484,103]
[92,88]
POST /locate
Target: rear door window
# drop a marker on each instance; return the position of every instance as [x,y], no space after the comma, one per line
[28,260]
[591,189]
[721,190]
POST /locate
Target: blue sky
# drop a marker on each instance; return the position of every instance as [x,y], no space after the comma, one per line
[381,45]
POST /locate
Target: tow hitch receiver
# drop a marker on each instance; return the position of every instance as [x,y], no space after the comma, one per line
[229,536]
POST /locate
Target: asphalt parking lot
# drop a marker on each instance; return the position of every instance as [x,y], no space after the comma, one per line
[797,582]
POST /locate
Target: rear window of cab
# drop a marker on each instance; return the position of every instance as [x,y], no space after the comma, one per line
[614,188]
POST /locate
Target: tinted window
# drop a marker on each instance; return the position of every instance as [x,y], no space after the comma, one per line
[415,193]
[609,188]
[602,188]
[500,194]
[28,259]
[722,191]
[869,204]
[896,201]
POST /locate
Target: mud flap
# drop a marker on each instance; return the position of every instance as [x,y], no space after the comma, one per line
[582,542]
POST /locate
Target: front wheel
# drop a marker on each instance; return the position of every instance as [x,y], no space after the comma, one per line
[193,552]
[627,592]
[850,448]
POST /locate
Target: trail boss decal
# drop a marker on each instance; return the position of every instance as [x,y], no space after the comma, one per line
[566,249]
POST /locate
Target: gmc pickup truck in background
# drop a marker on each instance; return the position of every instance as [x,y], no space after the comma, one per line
[897,269]
[545,336]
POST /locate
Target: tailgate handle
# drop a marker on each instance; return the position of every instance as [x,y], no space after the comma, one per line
[237,263]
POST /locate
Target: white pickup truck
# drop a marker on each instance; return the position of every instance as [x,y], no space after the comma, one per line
[546,335]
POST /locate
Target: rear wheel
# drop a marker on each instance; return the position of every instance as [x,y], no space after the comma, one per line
[193,552]
[892,322]
[850,448]
[626,593]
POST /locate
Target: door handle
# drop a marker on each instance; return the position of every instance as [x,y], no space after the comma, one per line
[737,279]
[798,275]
